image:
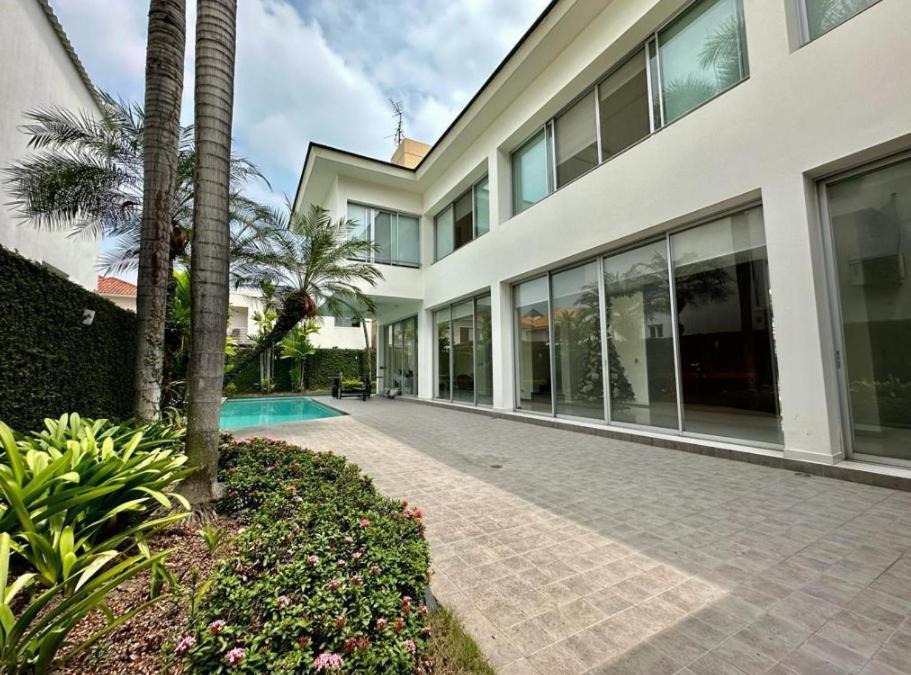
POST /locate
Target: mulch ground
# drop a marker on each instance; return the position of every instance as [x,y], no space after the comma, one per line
[135,647]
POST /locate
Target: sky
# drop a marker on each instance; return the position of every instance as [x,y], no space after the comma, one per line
[320,70]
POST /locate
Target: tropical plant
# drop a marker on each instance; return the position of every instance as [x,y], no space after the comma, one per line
[161,136]
[76,494]
[34,628]
[296,345]
[314,267]
[216,24]
[213,537]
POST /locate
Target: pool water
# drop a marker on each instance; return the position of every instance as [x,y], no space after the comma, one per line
[254,412]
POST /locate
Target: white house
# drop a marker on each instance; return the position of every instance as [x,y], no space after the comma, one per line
[39,69]
[686,220]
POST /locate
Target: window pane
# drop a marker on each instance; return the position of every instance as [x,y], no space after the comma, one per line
[397,356]
[382,236]
[443,233]
[702,53]
[529,173]
[871,229]
[463,352]
[441,330]
[824,15]
[651,49]
[576,140]
[359,226]
[483,350]
[408,241]
[532,345]
[388,356]
[623,106]
[724,314]
[578,388]
[640,339]
[409,359]
[482,207]
[464,228]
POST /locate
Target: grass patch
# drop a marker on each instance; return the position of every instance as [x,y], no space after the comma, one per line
[451,650]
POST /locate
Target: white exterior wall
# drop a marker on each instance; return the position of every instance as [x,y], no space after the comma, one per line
[804,111]
[36,71]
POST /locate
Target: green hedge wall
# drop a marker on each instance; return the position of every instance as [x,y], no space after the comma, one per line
[320,368]
[49,362]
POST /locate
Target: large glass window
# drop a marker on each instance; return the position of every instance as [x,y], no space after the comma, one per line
[640,339]
[576,134]
[533,345]
[700,55]
[576,316]
[396,235]
[464,350]
[532,172]
[870,223]
[623,106]
[400,355]
[483,327]
[463,220]
[821,16]
[727,365]
[443,344]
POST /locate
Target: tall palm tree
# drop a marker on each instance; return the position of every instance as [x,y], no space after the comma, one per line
[163,92]
[209,266]
[314,267]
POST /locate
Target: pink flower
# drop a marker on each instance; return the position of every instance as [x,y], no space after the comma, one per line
[357,555]
[340,562]
[381,624]
[423,611]
[340,621]
[235,656]
[327,661]
[217,626]
[357,580]
[410,646]
[363,522]
[398,625]
[184,645]
[333,584]
[349,540]
[375,569]
[283,601]
[312,560]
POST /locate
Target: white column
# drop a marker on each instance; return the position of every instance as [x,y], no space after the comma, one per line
[502,349]
[426,347]
[807,378]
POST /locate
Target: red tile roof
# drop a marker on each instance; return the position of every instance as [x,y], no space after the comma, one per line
[115,286]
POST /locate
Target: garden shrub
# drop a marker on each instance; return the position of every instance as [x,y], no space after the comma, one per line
[50,362]
[320,367]
[328,574]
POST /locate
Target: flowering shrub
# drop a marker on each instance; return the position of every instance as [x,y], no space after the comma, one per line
[328,575]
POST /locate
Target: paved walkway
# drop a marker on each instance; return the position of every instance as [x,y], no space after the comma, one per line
[568,553]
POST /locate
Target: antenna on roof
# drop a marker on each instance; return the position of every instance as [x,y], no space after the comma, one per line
[398,111]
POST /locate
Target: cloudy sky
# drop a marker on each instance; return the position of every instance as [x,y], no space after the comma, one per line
[320,70]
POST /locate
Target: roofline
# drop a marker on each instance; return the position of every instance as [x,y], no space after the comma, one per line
[512,52]
[70,50]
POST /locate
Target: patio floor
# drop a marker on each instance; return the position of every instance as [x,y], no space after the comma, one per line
[564,552]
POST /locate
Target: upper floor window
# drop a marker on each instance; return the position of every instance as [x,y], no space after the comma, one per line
[821,16]
[347,322]
[396,235]
[698,55]
[465,219]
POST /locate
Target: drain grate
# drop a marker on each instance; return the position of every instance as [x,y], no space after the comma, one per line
[496,466]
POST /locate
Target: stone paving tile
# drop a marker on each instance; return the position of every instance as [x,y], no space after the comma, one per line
[585,554]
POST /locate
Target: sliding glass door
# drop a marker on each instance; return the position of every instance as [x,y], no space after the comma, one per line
[400,356]
[464,363]
[869,224]
[684,327]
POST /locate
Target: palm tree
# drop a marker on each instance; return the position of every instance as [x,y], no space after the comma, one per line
[210,264]
[296,345]
[164,88]
[313,265]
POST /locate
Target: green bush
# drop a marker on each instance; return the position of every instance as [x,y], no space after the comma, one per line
[320,368]
[327,572]
[49,361]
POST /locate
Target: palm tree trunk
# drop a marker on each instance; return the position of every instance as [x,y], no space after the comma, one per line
[214,95]
[164,88]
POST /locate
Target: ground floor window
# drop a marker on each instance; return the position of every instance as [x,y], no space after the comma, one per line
[682,325]
[400,364]
[462,355]
[869,227]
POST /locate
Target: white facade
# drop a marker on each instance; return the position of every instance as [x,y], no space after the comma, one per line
[39,69]
[805,111]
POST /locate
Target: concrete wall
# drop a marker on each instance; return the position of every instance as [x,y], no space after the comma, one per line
[804,111]
[36,71]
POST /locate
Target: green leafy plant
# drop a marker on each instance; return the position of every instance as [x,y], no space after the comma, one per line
[297,347]
[213,537]
[328,571]
[352,383]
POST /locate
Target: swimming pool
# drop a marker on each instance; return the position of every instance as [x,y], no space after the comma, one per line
[254,412]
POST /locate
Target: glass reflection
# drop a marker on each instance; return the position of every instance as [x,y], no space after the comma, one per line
[441,331]
[533,345]
[483,351]
[462,336]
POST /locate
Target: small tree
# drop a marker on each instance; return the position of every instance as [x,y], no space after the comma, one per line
[296,345]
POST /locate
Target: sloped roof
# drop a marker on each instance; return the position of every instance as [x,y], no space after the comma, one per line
[115,286]
[68,47]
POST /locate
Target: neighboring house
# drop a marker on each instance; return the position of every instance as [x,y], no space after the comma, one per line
[39,69]
[605,233]
[244,303]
